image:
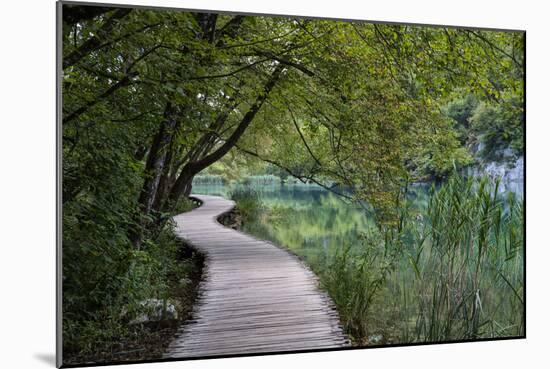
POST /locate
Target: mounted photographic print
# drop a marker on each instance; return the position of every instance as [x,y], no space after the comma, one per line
[238,184]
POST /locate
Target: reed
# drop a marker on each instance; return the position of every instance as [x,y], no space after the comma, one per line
[249,203]
[452,272]
[470,278]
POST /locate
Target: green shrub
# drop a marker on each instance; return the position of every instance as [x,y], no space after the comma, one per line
[116,282]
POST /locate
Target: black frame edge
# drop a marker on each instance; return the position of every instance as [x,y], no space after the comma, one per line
[59,183]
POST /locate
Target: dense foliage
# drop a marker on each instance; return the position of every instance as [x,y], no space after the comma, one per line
[153,98]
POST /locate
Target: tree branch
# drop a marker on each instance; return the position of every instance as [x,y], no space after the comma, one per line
[258,42]
[124,81]
[229,74]
[494,46]
[285,61]
[95,41]
[230,29]
[301,178]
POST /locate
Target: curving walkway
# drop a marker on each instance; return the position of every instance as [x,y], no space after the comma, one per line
[255,297]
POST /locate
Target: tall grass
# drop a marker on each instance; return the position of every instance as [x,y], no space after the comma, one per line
[453,273]
[249,203]
[470,279]
[355,279]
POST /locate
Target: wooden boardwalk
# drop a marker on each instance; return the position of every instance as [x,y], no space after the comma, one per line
[255,297]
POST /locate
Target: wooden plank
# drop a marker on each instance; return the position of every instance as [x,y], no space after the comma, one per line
[256,297]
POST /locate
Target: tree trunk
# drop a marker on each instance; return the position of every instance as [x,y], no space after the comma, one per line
[188,187]
[154,169]
[164,178]
[207,23]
